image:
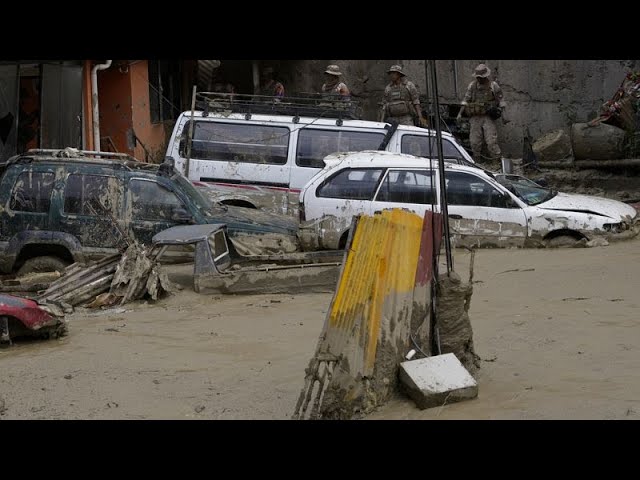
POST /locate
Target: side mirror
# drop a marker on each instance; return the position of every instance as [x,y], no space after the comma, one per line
[542,182]
[180,215]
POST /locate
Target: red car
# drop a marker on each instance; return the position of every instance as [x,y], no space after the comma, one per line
[21,316]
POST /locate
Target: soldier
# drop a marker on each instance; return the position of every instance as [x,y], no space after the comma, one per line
[484,103]
[333,86]
[401,100]
[269,87]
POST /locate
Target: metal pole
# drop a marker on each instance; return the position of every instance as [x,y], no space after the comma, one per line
[443,194]
[189,140]
[426,93]
[256,77]
[96,108]
[160,92]
[455,79]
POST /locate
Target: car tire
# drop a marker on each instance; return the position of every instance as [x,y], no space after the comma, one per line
[42,264]
[561,241]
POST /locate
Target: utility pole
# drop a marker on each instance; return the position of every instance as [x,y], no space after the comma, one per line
[443,194]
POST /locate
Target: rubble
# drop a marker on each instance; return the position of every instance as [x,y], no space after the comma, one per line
[32,282]
[116,279]
[452,314]
[436,381]
[553,146]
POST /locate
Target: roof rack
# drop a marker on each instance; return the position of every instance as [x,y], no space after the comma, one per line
[304,105]
[76,153]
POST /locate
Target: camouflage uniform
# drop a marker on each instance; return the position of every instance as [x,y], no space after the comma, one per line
[335,90]
[399,102]
[478,99]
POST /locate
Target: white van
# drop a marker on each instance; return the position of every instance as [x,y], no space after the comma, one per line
[263,160]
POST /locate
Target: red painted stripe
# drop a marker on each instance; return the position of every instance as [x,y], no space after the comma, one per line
[248,187]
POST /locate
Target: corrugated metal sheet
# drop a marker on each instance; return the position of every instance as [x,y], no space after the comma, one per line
[205,73]
[381,263]
[385,280]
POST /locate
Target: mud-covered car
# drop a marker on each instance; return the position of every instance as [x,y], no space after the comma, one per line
[64,206]
[25,317]
[485,209]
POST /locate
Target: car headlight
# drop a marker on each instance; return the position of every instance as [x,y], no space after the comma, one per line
[616,227]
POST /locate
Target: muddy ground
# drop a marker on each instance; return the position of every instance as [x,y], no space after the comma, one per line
[557,329]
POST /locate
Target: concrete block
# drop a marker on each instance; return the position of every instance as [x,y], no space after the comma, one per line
[434,381]
[553,146]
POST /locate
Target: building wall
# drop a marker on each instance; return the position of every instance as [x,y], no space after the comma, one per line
[151,135]
[542,95]
[124,113]
[114,99]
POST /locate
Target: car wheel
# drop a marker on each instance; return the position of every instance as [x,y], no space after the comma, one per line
[42,264]
[562,241]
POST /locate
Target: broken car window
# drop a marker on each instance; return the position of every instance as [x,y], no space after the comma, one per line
[315,144]
[407,186]
[353,184]
[32,192]
[90,194]
[235,142]
[530,192]
[152,201]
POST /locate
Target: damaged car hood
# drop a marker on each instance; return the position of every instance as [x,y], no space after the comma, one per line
[263,221]
[589,205]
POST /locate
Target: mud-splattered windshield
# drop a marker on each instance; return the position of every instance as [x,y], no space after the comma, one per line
[528,191]
[202,203]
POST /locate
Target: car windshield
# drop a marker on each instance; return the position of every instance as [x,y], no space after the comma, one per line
[528,191]
[202,203]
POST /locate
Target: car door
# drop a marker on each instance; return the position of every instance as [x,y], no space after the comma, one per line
[412,189]
[91,210]
[151,208]
[344,193]
[29,201]
[482,214]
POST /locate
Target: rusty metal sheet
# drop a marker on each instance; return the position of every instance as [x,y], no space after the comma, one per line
[381,306]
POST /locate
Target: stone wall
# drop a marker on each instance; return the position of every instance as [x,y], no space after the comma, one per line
[541,94]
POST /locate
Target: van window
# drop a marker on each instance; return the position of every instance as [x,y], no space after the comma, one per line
[315,144]
[418,145]
[151,201]
[90,194]
[32,192]
[407,186]
[353,184]
[236,142]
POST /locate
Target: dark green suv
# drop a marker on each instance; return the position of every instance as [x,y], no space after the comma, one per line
[61,206]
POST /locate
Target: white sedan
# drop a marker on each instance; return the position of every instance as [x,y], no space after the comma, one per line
[484,209]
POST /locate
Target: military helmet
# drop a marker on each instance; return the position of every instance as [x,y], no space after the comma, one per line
[482,71]
[333,70]
[396,68]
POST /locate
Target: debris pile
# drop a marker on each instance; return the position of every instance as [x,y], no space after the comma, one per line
[623,108]
[32,282]
[612,139]
[116,279]
[454,325]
